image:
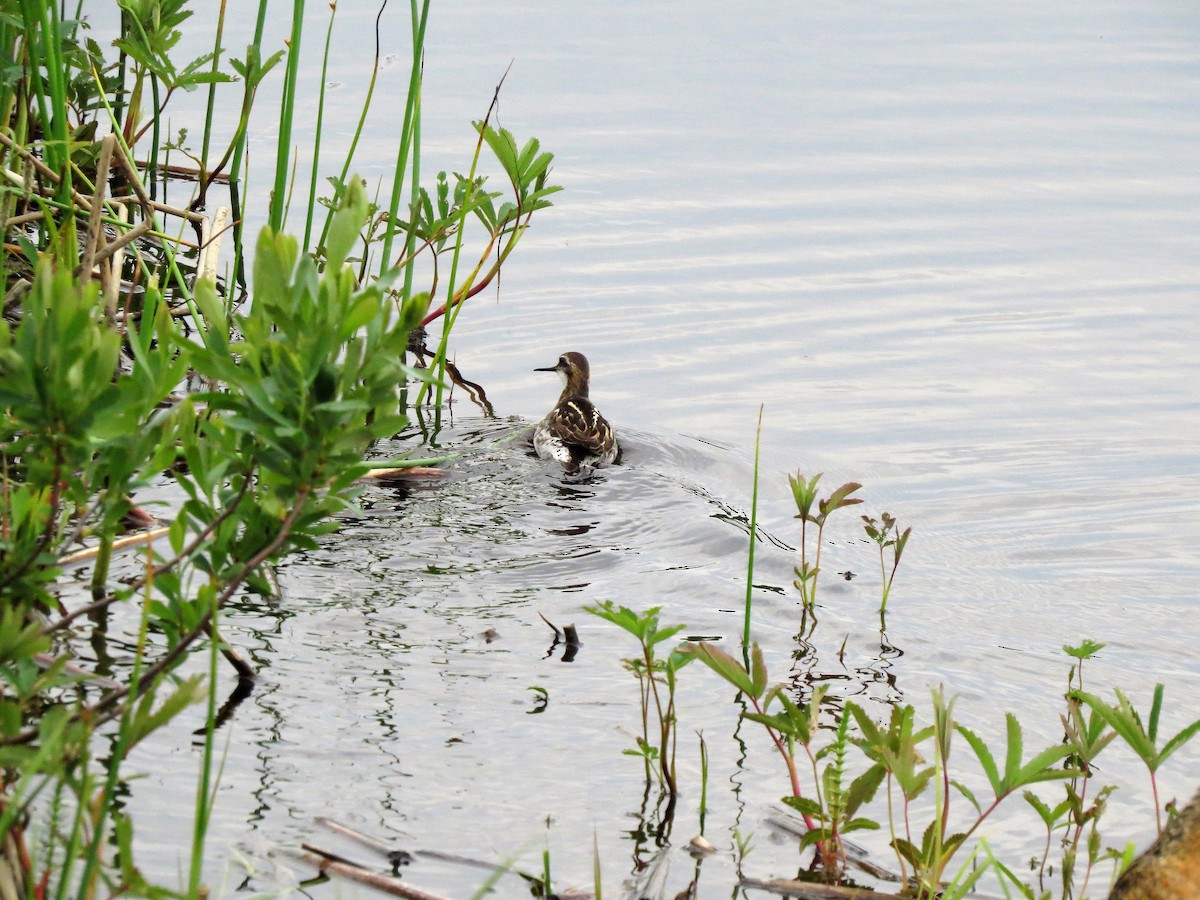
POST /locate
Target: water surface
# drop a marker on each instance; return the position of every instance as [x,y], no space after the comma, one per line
[951,250]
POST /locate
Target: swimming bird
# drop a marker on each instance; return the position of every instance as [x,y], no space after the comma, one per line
[574,433]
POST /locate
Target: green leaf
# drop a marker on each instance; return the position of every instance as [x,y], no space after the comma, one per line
[1015,740]
[909,851]
[146,719]
[1155,710]
[1086,650]
[758,671]
[984,755]
[1184,735]
[1124,720]
[863,788]
[724,665]
[657,635]
[362,312]
[969,794]
[814,837]
[205,294]
[840,497]
[804,805]
[859,825]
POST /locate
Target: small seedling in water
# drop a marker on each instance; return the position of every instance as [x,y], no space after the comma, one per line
[1086,650]
[795,724]
[886,533]
[804,490]
[650,672]
[742,845]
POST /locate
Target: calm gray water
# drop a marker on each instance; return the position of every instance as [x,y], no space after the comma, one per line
[952,249]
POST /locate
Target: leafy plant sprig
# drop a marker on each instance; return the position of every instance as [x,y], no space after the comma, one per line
[886,533]
[795,723]
[651,671]
[1125,720]
[804,491]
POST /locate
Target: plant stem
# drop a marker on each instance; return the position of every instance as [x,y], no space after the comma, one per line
[753,534]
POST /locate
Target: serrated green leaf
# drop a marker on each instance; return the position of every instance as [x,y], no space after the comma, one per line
[860,825]
[984,755]
[968,793]
[863,788]
[804,805]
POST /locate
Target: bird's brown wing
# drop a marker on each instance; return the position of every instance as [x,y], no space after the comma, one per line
[581,425]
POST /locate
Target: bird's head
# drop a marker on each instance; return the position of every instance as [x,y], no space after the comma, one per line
[573,367]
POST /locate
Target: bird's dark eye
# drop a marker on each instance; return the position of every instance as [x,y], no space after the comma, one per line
[562,361]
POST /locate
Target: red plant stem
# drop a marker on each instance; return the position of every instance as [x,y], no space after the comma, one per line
[791,765]
[475,289]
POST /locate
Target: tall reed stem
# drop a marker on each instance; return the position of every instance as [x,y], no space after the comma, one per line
[287,109]
[753,534]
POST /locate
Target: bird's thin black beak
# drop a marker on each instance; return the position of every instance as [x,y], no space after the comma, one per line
[547,369]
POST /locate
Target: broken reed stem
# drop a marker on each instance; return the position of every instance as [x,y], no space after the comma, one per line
[95,251]
[22,219]
[121,543]
[110,270]
[94,206]
[44,170]
[210,243]
[95,217]
[141,229]
[189,214]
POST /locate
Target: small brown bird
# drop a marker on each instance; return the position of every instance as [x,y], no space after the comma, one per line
[574,433]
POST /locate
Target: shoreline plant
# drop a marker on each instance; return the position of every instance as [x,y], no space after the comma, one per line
[125,360]
[657,750]
[915,764]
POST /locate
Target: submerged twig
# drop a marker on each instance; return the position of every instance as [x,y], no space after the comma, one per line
[792,887]
[330,863]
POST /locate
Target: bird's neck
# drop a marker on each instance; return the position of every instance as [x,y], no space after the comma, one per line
[574,387]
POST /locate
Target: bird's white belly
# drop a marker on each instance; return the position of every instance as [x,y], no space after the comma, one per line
[547,446]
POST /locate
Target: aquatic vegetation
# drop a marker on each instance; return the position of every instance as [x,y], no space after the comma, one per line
[911,761]
[915,765]
[1123,718]
[266,461]
[804,491]
[265,449]
[115,301]
[651,672]
[833,811]
[886,533]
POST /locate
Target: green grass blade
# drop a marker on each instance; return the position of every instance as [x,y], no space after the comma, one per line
[316,150]
[286,112]
[753,534]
